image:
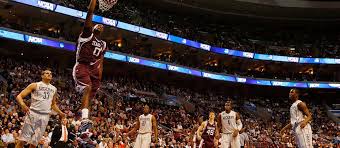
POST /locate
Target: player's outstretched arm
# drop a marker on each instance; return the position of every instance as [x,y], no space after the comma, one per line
[288,126]
[303,107]
[55,107]
[199,130]
[134,128]
[30,88]
[88,22]
[154,126]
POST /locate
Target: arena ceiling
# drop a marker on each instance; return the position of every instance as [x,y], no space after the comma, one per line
[267,9]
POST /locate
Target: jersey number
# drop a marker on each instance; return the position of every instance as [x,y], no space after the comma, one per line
[46,95]
[97,51]
[210,132]
[143,123]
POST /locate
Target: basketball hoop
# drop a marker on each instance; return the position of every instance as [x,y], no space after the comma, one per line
[105,5]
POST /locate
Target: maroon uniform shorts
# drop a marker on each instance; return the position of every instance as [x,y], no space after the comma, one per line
[86,75]
[206,144]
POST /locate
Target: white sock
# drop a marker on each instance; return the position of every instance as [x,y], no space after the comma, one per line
[84,113]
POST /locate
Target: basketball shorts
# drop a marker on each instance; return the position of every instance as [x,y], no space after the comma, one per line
[228,141]
[303,137]
[143,141]
[34,127]
[206,144]
[86,75]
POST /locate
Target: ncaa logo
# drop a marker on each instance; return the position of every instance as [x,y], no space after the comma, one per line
[161,35]
[109,21]
[248,54]
[205,46]
[33,39]
[314,85]
[293,59]
[241,80]
[277,83]
[133,60]
[206,74]
[173,68]
[46,5]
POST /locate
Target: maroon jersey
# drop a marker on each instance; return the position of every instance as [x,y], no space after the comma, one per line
[208,134]
[90,50]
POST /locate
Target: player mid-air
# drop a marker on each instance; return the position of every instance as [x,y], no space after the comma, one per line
[145,124]
[300,118]
[43,98]
[230,123]
[207,131]
[87,72]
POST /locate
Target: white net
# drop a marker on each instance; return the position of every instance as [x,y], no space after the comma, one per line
[105,5]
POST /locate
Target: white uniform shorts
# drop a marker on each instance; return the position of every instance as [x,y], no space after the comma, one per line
[228,141]
[303,137]
[143,140]
[34,127]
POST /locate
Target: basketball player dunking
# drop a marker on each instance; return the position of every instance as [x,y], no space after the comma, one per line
[145,123]
[300,118]
[87,72]
[230,123]
[43,98]
[208,139]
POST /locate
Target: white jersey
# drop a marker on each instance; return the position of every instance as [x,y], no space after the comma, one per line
[296,116]
[243,138]
[303,136]
[145,124]
[41,98]
[228,122]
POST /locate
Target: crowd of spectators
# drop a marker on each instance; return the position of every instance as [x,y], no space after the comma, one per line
[279,41]
[241,37]
[200,60]
[115,108]
[188,57]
